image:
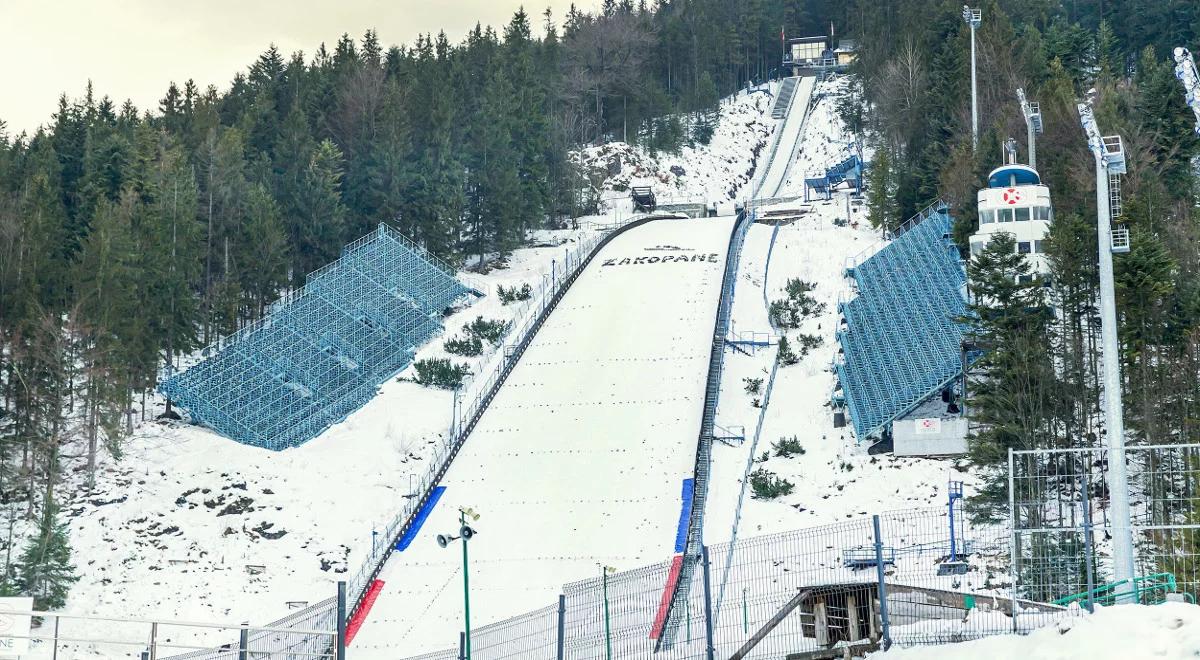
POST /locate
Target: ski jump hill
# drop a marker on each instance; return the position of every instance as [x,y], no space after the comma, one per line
[580,460]
[792,105]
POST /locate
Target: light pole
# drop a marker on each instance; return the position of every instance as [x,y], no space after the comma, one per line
[1033,124]
[605,571]
[973,17]
[1109,153]
[465,532]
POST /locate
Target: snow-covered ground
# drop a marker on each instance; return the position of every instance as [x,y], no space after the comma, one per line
[715,172]
[580,459]
[834,478]
[191,525]
[1166,632]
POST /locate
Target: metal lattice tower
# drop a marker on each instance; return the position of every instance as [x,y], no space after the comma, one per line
[320,352]
[902,342]
[1185,70]
[1109,153]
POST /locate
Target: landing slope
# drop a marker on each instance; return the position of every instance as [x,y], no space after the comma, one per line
[580,459]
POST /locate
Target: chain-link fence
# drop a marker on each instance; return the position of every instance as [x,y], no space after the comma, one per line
[1062,531]
[792,592]
[308,634]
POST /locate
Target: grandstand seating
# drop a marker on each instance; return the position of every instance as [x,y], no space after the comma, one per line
[850,170]
[902,340]
[320,352]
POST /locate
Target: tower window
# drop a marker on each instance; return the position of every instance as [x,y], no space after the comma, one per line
[1006,215]
[1023,247]
[1037,247]
[1023,214]
[987,217]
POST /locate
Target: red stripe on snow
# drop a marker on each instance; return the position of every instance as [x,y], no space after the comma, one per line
[660,619]
[360,617]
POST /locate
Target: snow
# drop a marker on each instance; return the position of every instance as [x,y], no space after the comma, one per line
[243,531]
[1170,630]
[579,460]
[787,141]
[706,173]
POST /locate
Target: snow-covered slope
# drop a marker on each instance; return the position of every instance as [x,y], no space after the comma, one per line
[715,172]
[191,525]
[1165,632]
[581,457]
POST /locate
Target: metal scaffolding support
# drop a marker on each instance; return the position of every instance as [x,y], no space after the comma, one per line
[321,351]
[1109,153]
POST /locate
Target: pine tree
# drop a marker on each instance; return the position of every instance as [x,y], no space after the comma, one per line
[1013,385]
[45,570]
[882,212]
[321,213]
[264,272]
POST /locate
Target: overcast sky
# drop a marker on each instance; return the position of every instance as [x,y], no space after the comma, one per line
[134,48]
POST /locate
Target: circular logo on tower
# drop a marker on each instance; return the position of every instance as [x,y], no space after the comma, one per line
[1012,196]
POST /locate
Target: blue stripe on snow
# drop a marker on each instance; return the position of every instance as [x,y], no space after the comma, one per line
[685,513]
[419,520]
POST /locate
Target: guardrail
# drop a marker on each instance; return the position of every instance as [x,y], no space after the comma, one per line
[504,362]
[694,539]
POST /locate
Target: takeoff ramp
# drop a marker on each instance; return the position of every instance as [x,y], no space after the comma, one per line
[786,145]
[579,461]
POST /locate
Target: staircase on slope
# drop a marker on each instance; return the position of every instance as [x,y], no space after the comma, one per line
[782,102]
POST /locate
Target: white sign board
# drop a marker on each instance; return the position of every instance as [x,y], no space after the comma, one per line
[14,624]
[928,426]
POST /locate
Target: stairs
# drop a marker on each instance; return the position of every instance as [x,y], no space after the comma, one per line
[782,102]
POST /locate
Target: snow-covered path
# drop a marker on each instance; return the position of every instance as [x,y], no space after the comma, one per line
[788,139]
[580,459]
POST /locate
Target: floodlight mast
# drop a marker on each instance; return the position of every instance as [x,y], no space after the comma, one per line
[1185,71]
[1033,124]
[973,17]
[1110,160]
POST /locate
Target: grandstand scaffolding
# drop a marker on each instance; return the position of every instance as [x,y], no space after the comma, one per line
[902,343]
[320,352]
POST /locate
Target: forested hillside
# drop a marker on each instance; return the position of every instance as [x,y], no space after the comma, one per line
[1037,386]
[130,236]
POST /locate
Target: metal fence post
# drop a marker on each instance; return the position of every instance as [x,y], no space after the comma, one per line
[562,625]
[154,641]
[340,653]
[709,651]
[1087,535]
[1014,551]
[883,611]
[244,644]
[56,620]
[462,646]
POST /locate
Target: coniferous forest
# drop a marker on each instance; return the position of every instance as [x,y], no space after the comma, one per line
[1037,384]
[130,236]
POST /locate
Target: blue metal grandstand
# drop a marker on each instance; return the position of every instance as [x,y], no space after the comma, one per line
[320,352]
[850,170]
[902,340]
